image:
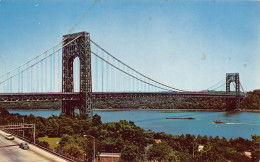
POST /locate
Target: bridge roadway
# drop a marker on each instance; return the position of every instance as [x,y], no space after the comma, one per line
[23,97]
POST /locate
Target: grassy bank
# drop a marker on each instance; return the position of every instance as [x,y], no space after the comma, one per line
[53,142]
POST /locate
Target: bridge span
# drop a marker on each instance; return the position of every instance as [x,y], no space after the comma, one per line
[76,96]
[50,77]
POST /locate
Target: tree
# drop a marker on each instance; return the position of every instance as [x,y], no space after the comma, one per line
[130,153]
[161,152]
[52,128]
[256,155]
[3,112]
[73,150]
[96,121]
[256,148]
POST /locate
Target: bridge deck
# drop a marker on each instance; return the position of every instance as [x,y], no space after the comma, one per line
[59,96]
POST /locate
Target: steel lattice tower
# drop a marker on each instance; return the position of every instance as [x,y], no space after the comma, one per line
[233,104]
[79,48]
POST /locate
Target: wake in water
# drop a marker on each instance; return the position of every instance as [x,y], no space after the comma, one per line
[236,123]
[243,123]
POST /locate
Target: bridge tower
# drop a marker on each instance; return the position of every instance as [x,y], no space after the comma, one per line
[79,48]
[233,104]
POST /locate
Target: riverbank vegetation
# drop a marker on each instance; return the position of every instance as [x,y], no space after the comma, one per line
[133,142]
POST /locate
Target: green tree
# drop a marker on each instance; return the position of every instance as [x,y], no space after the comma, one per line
[73,150]
[130,153]
[161,152]
[256,148]
[52,128]
[96,121]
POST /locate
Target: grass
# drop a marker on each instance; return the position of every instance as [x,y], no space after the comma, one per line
[53,142]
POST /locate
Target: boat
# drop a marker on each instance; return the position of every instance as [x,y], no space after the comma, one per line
[219,122]
[181,118]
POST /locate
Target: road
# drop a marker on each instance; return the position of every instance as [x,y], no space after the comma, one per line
[10,152]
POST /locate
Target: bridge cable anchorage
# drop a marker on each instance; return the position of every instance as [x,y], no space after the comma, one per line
[128,73]
[41,59]
[33,58]
[135,70]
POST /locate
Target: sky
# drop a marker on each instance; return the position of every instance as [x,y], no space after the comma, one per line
[189,45]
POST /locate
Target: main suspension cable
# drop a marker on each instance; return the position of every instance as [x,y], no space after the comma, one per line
[40,60]
[134,69]
[32,59]
[128,73]
[241,86]
[221,81]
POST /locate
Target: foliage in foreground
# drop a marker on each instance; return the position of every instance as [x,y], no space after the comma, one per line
[134,143]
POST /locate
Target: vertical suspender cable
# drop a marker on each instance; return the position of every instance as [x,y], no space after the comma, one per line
[122,80]
[28,79]
[19,81]
[96,72]
[114,76]
[45,72]
[50,74]
[59,71]
[102,73]
[22,81]
[4,88]
[54,70]
[41,79]
[31,82]
[129,81]
[37,80]
[8,83]
[107,77]
[11,87]
[132,82]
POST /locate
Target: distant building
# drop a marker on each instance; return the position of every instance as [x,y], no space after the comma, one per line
[248,154]
[108,157]
[158,141]
[200,148]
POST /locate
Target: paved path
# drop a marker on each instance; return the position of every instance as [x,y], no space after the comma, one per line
[10,152]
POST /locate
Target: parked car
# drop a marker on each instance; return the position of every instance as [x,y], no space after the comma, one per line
[24,146]
[9,137]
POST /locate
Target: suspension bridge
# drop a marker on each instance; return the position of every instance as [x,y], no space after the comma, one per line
[79,72]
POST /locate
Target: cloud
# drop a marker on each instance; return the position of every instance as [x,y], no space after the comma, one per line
[36,5]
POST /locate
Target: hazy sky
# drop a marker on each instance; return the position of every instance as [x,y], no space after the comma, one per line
[186,44]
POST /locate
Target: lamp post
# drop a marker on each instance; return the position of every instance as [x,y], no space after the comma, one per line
[93,146]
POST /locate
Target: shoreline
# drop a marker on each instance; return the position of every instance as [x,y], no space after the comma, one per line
[206,110]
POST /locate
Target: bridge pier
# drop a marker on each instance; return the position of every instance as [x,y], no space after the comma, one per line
[233,104]
[80,48]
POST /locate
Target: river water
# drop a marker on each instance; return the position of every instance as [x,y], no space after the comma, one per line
[239,124]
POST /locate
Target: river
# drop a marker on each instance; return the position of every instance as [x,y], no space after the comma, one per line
[239,124]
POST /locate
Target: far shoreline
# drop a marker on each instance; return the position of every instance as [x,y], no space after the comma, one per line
[202,110]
